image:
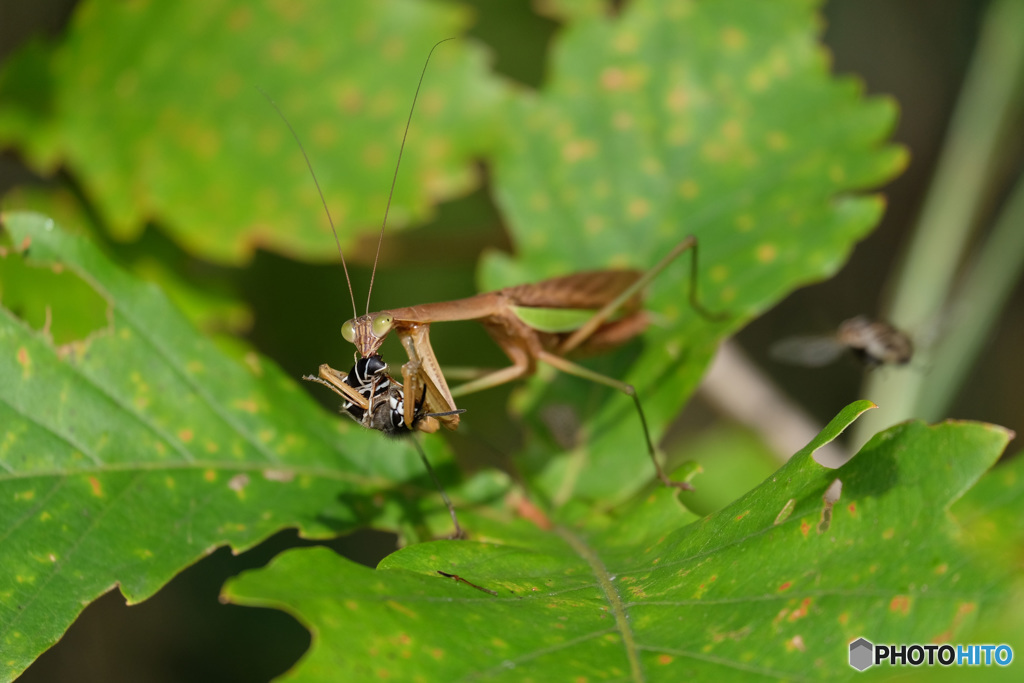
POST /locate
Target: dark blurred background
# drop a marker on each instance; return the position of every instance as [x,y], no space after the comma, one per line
[916,51]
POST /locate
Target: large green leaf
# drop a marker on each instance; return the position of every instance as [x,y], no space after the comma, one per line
[154,108]
[130,454]
[775,585]
[717,119]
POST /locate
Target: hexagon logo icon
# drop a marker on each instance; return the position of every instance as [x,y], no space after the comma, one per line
[860,654]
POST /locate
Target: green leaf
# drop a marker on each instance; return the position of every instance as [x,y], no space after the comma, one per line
[763,588]
[717,119]
[202,292]
[154,108]
[132,453]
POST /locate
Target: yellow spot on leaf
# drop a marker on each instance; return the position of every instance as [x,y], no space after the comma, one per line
[239,19]
[97,488]
[575,150]
[45,517]
[677,99]
[714,152]
[678,134]
[744,222]
[253,362]
[689,189]
[758,79]
[718,273]
[352,605]
[733,38]
[639,208]
[25,362]
[399,607]
[373,155]
[498,642]
[594,225]
[622,120]
[539,201]
[626,42]
[25,495]
[836,173]
[613,78]
[325,134]
[211,446]
[248,405]
[732,130]
[210,475]
[766,253]
[777,140]
[619,262]
[185,435]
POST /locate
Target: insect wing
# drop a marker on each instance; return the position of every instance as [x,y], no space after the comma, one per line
[810,352]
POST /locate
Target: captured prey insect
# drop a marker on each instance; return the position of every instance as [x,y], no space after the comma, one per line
[379,402]
[872,342]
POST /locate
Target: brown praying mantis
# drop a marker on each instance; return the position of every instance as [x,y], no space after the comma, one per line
[532,323]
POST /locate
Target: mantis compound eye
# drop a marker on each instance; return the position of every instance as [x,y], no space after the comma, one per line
[348,331]
[381,325]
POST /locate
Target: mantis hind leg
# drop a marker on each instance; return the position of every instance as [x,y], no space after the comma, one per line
[571,368]
[608,310]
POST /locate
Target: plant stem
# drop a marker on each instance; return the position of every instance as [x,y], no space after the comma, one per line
[923,285]
[976,307]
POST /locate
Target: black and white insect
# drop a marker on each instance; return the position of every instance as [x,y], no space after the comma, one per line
[383,395]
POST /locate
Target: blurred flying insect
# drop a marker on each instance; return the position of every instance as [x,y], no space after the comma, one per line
[872,342]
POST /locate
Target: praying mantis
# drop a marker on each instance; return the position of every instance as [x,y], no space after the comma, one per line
[532,323]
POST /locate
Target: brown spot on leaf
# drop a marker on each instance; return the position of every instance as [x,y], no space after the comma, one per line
[900,604]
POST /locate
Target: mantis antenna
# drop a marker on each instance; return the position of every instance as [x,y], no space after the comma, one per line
[394,179]
[330,220]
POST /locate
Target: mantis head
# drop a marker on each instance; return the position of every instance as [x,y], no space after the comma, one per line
[368,332]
